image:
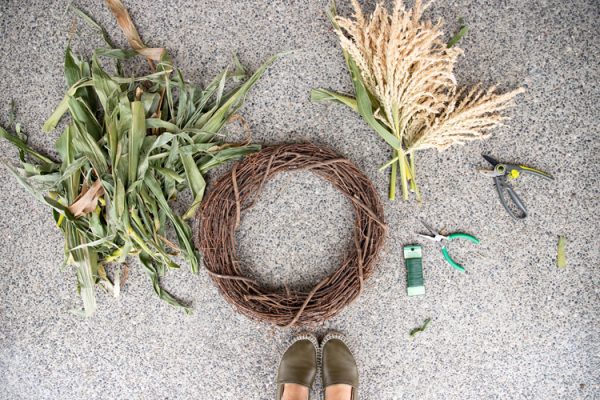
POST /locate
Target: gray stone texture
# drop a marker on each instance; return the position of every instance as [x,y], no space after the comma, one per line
[512,327]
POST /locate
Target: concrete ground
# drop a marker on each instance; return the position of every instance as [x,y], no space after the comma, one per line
[512,327]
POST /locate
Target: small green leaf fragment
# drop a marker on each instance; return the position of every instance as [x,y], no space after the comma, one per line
[561,257]
[421,328]
[459,35]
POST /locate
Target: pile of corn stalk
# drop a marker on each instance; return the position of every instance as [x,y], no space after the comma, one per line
[130,146]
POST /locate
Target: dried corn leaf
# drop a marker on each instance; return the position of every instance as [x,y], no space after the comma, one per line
[126,24]
[87,201]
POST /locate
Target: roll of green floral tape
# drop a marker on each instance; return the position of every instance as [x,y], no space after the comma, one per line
[415,285]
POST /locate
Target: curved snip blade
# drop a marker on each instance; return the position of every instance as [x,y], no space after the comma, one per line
[491,173]
[491,160]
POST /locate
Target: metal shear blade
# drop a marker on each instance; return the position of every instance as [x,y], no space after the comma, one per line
[502,173]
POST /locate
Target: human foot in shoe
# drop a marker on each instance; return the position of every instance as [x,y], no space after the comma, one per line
[340,374]
[298,369]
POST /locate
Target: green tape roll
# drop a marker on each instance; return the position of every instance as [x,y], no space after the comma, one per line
[415,285]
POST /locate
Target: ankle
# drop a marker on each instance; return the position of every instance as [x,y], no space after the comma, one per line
[338,392]
[292,391]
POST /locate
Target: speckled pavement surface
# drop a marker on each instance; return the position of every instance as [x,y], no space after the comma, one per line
[513,327]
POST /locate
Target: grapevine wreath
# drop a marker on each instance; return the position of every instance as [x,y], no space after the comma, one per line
[233,193]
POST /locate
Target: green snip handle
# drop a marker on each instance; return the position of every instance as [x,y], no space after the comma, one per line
[449,259]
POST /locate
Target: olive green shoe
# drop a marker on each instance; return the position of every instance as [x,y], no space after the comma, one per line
[337,363]
[299,364]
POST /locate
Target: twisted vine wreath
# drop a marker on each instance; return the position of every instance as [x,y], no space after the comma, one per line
[233,193]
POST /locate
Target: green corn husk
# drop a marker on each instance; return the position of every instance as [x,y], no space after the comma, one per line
[144,139]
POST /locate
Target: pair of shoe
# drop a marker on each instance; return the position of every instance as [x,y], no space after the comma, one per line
[302,360]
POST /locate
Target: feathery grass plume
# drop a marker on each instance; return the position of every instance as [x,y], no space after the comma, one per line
[402,71]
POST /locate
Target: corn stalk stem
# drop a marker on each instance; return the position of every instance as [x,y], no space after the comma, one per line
[404,174]
[393,178]
[413,181]
[404,162]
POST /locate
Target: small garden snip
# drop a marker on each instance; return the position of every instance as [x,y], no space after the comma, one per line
[503,174]
[437,237]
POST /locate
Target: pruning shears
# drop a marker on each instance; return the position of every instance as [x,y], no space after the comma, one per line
[503,174]
[437,237]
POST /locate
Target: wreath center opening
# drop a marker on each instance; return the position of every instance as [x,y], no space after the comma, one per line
[297,233]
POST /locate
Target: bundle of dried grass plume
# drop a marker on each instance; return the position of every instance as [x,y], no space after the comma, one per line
[413,99]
